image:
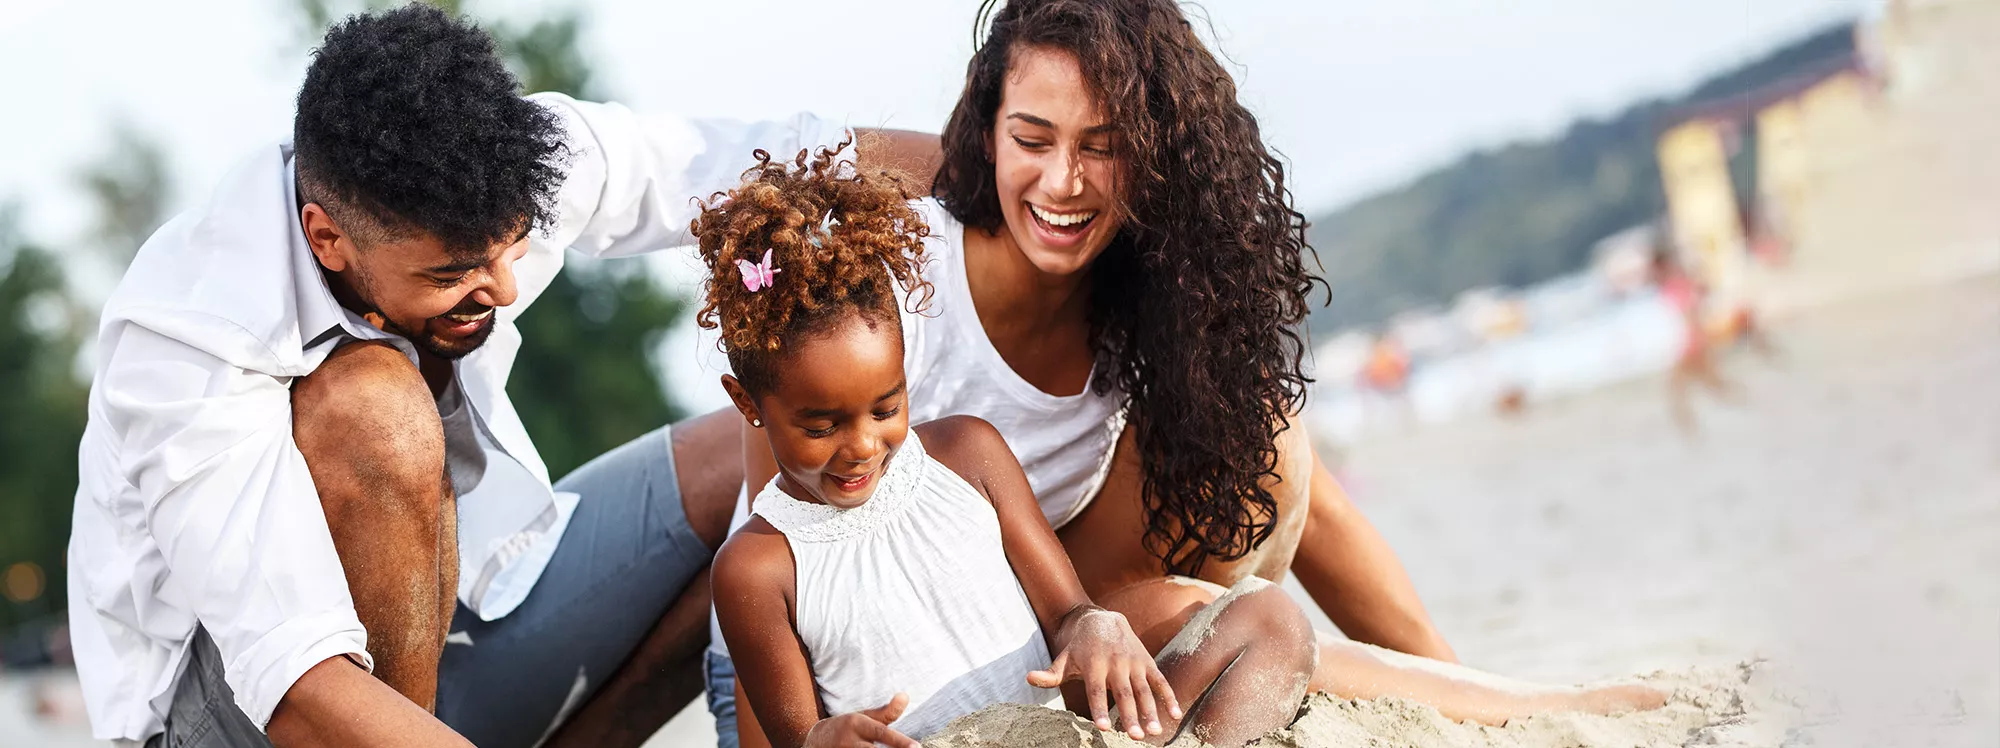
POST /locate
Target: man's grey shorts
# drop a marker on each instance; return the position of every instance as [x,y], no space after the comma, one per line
[628,552]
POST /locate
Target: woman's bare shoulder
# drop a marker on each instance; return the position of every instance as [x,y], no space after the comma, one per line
[970,446]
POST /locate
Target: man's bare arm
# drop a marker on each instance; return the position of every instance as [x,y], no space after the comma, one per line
[338,705]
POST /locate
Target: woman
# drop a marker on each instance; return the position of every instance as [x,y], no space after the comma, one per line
[1120,278]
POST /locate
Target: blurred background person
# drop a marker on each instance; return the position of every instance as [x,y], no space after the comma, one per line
[1695,364]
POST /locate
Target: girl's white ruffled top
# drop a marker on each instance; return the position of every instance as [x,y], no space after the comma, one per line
[910,592]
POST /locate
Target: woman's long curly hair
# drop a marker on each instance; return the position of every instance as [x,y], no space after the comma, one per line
[1195,305]
[841,242]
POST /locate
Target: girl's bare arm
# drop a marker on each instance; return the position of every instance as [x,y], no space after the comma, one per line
[1092,647]
[753,583]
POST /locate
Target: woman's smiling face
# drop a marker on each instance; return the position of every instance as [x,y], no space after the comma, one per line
[1055,165]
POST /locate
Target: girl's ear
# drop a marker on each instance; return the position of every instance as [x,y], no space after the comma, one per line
[745,404]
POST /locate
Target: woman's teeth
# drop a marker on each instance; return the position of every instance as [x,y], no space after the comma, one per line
[1062,219]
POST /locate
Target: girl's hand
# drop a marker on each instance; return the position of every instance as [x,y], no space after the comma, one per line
[862,729]
[1099,648]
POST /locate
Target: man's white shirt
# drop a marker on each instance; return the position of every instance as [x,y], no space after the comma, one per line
[194,505]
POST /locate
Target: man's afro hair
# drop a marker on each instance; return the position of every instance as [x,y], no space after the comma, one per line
[409,123]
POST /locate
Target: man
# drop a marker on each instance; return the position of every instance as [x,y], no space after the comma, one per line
[302,466]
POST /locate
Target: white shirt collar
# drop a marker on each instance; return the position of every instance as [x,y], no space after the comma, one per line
[319,312]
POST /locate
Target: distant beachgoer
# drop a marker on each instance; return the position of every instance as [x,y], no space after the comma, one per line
[1388,367]
[1746,329]
[1512,400]
[1696,363]
[893,578]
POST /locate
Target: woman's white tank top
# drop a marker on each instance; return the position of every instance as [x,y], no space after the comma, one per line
[910,592]
[1064,442]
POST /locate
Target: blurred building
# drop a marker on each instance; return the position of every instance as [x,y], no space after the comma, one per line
[1866,170]
[1735,171]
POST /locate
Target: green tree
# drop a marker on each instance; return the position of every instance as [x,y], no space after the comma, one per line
[132,189]
[584,381]
[41,421]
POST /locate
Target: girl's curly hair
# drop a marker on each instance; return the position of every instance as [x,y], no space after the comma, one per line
[841,242]
[1195,306]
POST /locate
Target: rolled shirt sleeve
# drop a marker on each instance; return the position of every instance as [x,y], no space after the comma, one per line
[634,180]
[222,490]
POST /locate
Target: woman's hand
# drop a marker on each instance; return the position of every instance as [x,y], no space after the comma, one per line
[862,729]
[1097,646]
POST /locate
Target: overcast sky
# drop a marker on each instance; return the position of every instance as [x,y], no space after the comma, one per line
[1357,95]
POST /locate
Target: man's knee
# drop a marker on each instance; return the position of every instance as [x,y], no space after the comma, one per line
[369,429]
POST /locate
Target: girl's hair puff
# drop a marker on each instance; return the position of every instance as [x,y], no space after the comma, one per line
[842,241]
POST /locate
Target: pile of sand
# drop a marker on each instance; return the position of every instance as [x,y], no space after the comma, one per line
[1714,706]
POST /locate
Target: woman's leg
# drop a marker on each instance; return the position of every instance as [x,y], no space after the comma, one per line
[1358,671]
[1161,609]
[1679,381]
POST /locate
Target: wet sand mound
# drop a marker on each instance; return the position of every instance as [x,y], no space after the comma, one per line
[1710,706]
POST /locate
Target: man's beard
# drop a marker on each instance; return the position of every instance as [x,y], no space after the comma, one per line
[436,347]
[364,291]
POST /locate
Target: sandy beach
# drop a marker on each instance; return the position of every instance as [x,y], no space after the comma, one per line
[1840,522]
[1820,567]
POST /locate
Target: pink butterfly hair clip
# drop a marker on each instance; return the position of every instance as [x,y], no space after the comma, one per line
[757,275]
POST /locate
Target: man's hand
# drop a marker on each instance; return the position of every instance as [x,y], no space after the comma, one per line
[1099,648]
[862,729]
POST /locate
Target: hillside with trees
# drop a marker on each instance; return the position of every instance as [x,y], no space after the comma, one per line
[1526,211]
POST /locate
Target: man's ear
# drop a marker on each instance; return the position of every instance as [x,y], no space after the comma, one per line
[745,404]
[328,241]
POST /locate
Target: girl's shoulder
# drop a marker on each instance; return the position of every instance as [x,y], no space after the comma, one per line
[755,557]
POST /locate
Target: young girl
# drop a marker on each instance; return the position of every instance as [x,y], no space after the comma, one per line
[894,578]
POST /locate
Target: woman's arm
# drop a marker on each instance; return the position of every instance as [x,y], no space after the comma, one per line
[916,154]
[1346,566]
[1089,644]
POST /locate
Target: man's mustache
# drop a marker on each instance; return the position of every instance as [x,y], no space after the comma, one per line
[468,307]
